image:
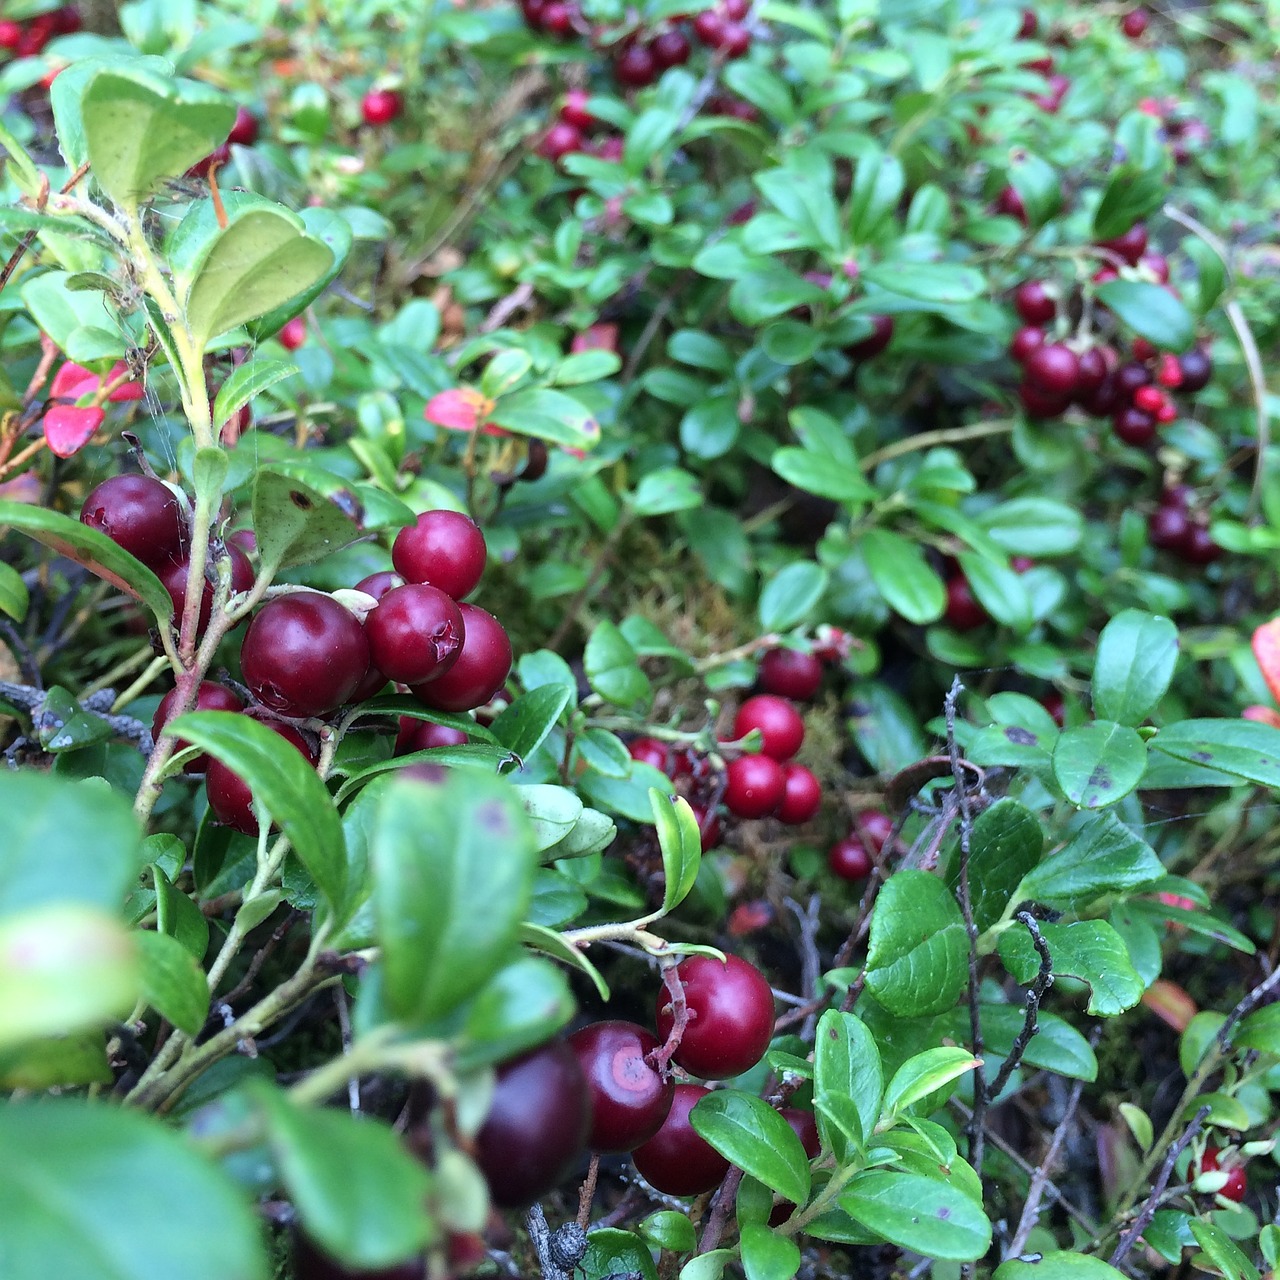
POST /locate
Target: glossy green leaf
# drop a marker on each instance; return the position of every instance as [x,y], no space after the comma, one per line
[178,916]
[246,381]
[669,1230]
[1057,1266]
[1033,526]
[284,784]
[791,595]
[824,476]
[70,316]
[926,1215]
[1151,311]
[298,519]
[917,960]
[1090,950]
[1134,664]
[612,1252]
[549,941]
[666,490]
[1226,1257]
[767,1255]
[1006,843]
[548,415]
[926,1073]
[1244,749]
[939,283]
[331,229]
[521,1006]
[749,1133]
[438,852]
[1099,764]
[92,549]
[680,843]
[65,726]
[847,1065]
[14,596]
[903,576]
[612,667]
[1002,592]
[173,984]
[1102,856]
[523,726]
[1056,1046]
[95,1180]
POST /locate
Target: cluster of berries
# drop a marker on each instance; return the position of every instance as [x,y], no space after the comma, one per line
[28,39]
[1176,526]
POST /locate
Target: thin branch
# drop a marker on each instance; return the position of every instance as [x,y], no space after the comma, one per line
[807,918]
[1043,981]
[719,1216]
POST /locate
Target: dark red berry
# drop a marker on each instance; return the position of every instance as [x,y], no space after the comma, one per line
[731,1016]
[670,49]
[1178,495]
[869,348]
[1134,23]
[629,1099]
[1010,203]
[789,673]
[557,18]
[735,10]
[1237,1179]
[140,514]
[1129,377]
[874,827]
[1025,341]
[175,574]
[1090,374]
[415,633]
[422,735]
[849,859]
[532,10]
[1197,369]
[380,107]
[963,612]
[780,724]
[1042,404]
[229,796]
[735,42]
[1105,400]
[1130,246]
[636,67]
[1053,703]
[1134,427]
[709,828]
[1032,301]
[561,139]
[537,1125]
[292,334]
[708,26]
[479,671]
[1143,350]
[304,654]
[754,786]
[378,584]
[443,549]
[1167,527]
[676,1160]
[574,111]
[244,133]
[1199,547]
[801,797]
[211,696]
[1053,368]
[1157,264]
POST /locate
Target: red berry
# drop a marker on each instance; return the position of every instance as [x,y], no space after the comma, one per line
[963,612]
[1042,404]
[735,42]
[1134,23]
[557,18]
[1033,303]
[1144,350]
[1199,547]
[636,67]
[1134,427]
[1169,374]
[422,735]
[1054,368]
[1091,374]
[1149,399]
[443,549]
[292,334]
[215,159]
[869,348]
[1237,1178]
[560,140]
[1025,341]
[244,133]
[479,671]
[140,514]
[788,673]
[801,797]
[1178,495]
[229,796]
[10,34]
[629,1099]
[1021,564]
[670,49]
[731,1016]
[1197,369]
[1167,527]
[849,859]
[709,828]
[676,1160]
[537,1125]
[780,724]
[1009,202]
[709,26]
[1053,703]
[532,10]
[754,786]
[304,654]
[574,111]
[651,751]
[415,633]
[1130,246]
[211,696]
[874,827]
[1129,377]
[1030,25]
[735,10]
[380,107]
[378,584]
[175,574]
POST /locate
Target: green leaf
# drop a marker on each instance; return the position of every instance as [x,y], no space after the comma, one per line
[1260,1030]
[92,549]
[94,1181]
[847,1065]
[260,260]
[284,784]
[1225,1255]
[523,726]
[791,595]
[359,1193]
[66,727]
[1090,950]
[179,917]
[548,415]
[1056,1046]
[14,596]
[297,522]
[1151,311]
[69,316]
[666,490]
[246,381]
[768,291]
[767,1255]
[586,366]
[926,1215]
[453,873]
[173,984]
[749,1133]
[549,941]
[940,283]
[329,228]
[1002,592]
[140,129]
[1242,748]
[611,1252]
[523,1005]
[926,1073]
[1100,763]
[1057,1266]
[816,473]
[918,957]
[1136,655]
[1006,843]
[612,667]
[680,843]
[878,182]
[1033,526]
[1102,856]
[64,967]
[667,1229]
[884,726]
[903,576]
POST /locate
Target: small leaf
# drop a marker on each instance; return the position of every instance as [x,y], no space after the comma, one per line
[847,1065]
[926,1073]
[926,1215]
[298,518]
[173,984]
[767,1255]
[1057,1266]
[666,490]
[791,595]
[1006,844]
[1099,764]
[1136,655]
[548,415]
[749,1133]
[14,597]
[1151,311]
[523,1005]
[612,667]
[903,576]
[680,843]
[1102,856]
[1090,950]
[611,1252]
[1242,748]
[827,477]
[523,726]
[246,381]
[1226,1256]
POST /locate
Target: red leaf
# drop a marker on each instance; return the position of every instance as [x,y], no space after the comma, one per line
[73,381]
[460,409]
[126,390]
[1170,1003]
[1263,715]
[599,337]
[68,429]
[1266,648]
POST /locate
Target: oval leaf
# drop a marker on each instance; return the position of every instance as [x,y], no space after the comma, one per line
[749,1133]
[1136,655]
[1100,763]
[926,1215]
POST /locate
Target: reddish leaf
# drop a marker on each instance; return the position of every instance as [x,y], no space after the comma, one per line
[73,381]
[1170,1003]
[126,390]
[68,429]
[460,409]
[599,337]
[1263,715]
[1266,648]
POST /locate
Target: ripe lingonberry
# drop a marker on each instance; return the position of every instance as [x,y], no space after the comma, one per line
[230,798]
[636,67]
[140,514]
[1134,427]
[1042,404]
[709,828]
[1090,374]
[478,672]
[651,751]
[731,1022]
[1134,23]
[1167,527]
[1025,341]
[1157,264]
[780,724]
[708,26]
[378,584]
[1130,246]
[670,49]
[444,549]
[677,1161]
[874,827]
[537,1125]
[1053,368]
[211,696]
[849,859]
[1010,203]
[415,634]
[869,348]
[629,1099]
[1199,547]
[175,574]
[380,107]
[304,654]
[1033,303]
[735,42]
[1149,399]
[561,139]
[1237,1179]
[802,795]
[754,786]
[574,111]
[963,612]
[788,673]
[1197,369]
[422,735]
[292,334]
[1130,377]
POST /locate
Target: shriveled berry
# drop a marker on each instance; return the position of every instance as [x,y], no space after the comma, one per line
[629,1099]
[415,633]
[731,1016]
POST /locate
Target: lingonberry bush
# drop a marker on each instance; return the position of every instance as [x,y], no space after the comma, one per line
[637,640]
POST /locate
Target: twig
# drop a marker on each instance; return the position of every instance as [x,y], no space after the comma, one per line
[559,1251]
[680,1018]
[724,1202]
[1245,1007]
[1043,981]
[927,440]
[587,1192]
[807,918]
[1140,1223]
